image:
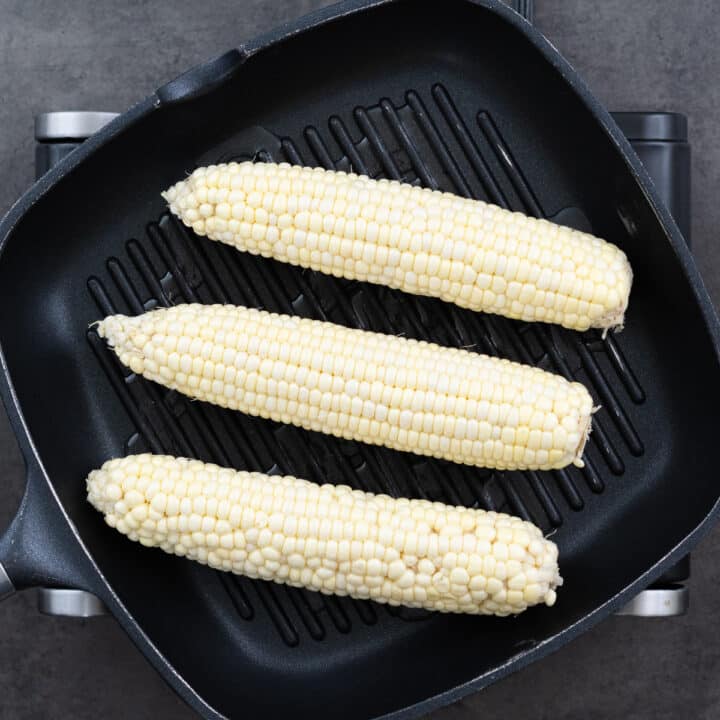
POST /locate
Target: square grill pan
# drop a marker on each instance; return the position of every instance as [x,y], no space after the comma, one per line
[460,96]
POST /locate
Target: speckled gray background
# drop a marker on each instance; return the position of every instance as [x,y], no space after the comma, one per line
[105,55]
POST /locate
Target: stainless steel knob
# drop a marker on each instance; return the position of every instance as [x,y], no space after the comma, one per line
[70,125]
[658,602]
[69,603]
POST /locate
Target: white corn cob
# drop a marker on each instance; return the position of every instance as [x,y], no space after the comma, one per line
[385,390]
[329,538]
[425,242]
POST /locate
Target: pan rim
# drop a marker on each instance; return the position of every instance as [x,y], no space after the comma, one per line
[254,47]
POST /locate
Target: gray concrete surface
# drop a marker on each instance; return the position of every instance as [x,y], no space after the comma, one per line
[105,55]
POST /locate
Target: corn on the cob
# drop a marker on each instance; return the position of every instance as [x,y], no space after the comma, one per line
[329,538]
[468,252]
[404,394]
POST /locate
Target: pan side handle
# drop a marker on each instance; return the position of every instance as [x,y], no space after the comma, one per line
[57,134]
[39,547]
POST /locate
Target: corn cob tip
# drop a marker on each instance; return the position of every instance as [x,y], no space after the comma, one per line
[171,194]
[328,538]
[614,319]
[124,335]
[110,329]
[584,429]
[187,200]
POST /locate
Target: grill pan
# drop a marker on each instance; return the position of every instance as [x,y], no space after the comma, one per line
[461,95]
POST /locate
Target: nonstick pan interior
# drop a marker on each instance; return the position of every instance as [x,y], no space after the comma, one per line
[456,99]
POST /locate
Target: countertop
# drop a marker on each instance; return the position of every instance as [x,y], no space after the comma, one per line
[104,55]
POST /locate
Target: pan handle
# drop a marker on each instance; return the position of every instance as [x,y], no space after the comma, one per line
[40,547]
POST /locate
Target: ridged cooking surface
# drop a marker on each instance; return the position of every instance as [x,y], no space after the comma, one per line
[419,138]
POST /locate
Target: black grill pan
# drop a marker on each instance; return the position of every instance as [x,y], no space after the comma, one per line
[458,95]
